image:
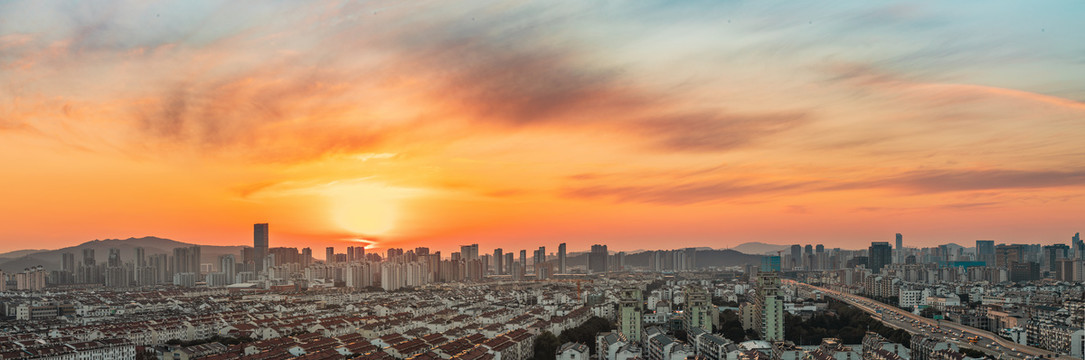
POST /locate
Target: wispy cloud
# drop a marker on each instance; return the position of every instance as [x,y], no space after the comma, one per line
[499,109]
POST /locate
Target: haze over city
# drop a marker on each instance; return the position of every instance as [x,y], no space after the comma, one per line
[504,123]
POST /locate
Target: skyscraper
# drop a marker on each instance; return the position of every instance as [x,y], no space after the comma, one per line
[985,251]
[691,258]
[67,262]
[114,257]
[141,256]
[306,257]
[898,251]
[561,258]
[509,263]
[187,260]
[259,245]
[1077,246]
[1053,253]
[540,255]
[88,257]
[469,252]
[499,261]
[1007,255]
[329,255]
[880,254]
[597,259]
[523,260]
[796,256]
[228,266]
[808,258]
[770,263]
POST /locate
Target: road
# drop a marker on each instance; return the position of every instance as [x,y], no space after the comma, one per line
[957,333]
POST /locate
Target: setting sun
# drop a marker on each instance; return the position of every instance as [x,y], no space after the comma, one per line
[365,208]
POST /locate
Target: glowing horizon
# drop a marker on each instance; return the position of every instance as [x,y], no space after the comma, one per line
[519,124]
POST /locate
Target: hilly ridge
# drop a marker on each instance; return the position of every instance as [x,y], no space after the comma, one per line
[50,259]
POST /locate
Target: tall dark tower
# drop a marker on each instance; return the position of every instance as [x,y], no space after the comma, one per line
[561,259]
[259,245]
[898,251]
[879,254]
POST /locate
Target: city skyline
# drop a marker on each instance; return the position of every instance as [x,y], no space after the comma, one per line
[690,123]
[542,180]
[262,236]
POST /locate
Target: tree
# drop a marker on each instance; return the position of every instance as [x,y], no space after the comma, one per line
[843,321]
[681,335]
[731,326]
[546,346]
[585,333]
[718,301]
[972,353]
[928,312]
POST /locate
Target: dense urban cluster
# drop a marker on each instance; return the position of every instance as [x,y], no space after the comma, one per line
[812,303]
[1029,293]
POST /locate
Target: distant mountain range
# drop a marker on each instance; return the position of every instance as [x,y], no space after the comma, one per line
[758,248]
[50,259]
[705,258]
[748,253]
[20,253]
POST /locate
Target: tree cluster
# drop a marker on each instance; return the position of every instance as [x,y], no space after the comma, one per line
[546,344]
[842,321]
[731,326]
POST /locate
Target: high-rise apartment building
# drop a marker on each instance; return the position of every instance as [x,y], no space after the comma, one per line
[698,313]
[597,259]
[796,256]
[770,263]
[67,262]
[259,246]
[187,260]
[510,260]
[691,258]
[767,309]
[329,255]
[114,259]
[228,266]
[140,257]
[88,257]
[631,313]
[499,261]
[469,252]
[1053,253]
[985,251]
[1007,255]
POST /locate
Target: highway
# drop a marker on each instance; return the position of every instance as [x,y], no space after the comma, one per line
[957,333]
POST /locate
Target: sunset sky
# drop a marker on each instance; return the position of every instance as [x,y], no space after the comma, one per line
[515,124]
